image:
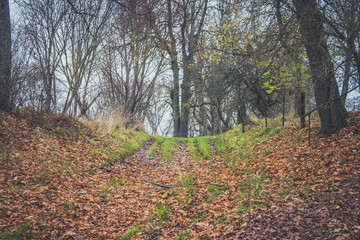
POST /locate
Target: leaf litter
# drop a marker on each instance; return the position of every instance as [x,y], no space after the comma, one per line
[57,184]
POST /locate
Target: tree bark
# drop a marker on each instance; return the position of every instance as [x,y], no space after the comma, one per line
[345,86]
[185,100]
[332,113]
[190,33]
[5,56]
[175,103]
[172,51]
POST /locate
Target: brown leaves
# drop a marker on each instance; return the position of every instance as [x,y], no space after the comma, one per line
[67,187]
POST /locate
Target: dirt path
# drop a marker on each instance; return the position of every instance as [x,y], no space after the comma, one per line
[195,209]
[279,189]
[182,211]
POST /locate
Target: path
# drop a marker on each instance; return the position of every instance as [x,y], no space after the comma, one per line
[119,200]
[219,212]
[184,207]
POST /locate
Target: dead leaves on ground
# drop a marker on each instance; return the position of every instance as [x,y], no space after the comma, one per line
[56,185]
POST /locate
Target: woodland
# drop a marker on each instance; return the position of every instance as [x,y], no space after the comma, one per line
[179,119]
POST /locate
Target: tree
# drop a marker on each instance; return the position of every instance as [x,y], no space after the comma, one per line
[5,56]
[83,31]
[42,20]
[332,112]
[131,64]
[343,17]
[178,26]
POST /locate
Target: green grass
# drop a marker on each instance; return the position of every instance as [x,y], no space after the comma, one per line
[152,150]
[236,147]
[200,147]
[168,148]
[162,211]
[215,190]
[21,231]
[116,182]
[185,234]
[129,234]
[253,188]
[70,206]
[193,150]
[188,182]
[6,154]
[204,144]
[127,143]
[104,193]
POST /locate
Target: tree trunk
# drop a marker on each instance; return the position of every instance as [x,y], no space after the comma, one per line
[5,56]
[185,101]
[345,87]
[175,103]
[332,112]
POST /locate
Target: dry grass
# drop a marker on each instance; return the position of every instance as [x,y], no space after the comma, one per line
[113,120]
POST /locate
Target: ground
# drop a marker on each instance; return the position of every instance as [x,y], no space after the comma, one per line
[61,182]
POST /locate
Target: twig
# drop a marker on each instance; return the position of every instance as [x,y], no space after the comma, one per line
[210,183]
[167,186]
[158,184]
[326,103]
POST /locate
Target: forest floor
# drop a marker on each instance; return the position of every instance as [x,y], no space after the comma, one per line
[60,180]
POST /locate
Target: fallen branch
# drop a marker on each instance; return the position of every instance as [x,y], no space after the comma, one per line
[209,183]
[158,184]
[167,186]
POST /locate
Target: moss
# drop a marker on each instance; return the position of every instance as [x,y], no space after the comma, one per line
[204,146]
[168,147]
[152,150]
[193,150]
[127,143]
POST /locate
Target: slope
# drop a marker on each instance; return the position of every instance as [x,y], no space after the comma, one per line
[59,179]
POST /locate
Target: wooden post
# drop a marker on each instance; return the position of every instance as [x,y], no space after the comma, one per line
[302,110]
[243,116]
[283,109]
[309,129]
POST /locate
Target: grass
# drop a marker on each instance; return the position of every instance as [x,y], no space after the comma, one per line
[185,234]
[193,150]
[253,188]
[188,183]
[236,147]
[104,193]
[215,190]
[129,234]
[21,231]
[162,211]
[168,148]
[204,146]
[200,147]
[116,182]
[126,143]
[70,206]
[153,148]
[6,154]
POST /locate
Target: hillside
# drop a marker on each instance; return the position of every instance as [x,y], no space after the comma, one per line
[61,179]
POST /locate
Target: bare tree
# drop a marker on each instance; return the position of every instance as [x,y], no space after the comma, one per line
[82,37]
[178,27]
[342,18]
[42,20]
[131,64]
